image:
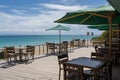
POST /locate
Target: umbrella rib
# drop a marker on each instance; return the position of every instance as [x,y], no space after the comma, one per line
[69,17]
[104,13]
[79,15]
[98,15]
[86,19]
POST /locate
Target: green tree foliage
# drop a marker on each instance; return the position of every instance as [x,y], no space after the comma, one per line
[104,36]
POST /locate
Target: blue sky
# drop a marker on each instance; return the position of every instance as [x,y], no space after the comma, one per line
[33,17]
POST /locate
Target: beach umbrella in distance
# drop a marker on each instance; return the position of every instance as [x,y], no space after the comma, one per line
[94,16]
[59,28]
[115,4]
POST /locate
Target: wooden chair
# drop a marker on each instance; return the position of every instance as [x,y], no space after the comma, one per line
[104,74]
[61,59]
[95,55]
[65,47]
[72,72]
[116,52]
[10,53]
[30,51]
[109,69]
[77,42]
[51,46]
[89,73]
[71,45]
[83,42]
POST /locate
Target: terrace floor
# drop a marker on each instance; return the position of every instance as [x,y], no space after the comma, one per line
[44,67]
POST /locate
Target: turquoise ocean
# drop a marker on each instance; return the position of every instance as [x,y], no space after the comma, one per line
[16,40]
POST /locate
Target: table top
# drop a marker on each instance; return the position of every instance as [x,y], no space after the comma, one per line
[113,48]
[23,47]
[87,62]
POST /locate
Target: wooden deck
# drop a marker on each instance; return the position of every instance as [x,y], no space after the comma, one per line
[39,69]
[43,67]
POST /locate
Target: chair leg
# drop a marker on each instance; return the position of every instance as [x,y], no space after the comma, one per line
[8,60]
[26,58]
[15,58]
[59,73]
[32,56]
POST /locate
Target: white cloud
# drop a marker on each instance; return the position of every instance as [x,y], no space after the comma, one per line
[63,7]
[36,24]
[68,1]
[21,12]
[35,8]
[33,23]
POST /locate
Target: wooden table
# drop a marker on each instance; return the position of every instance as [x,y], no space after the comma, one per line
[20,49]
[87,63]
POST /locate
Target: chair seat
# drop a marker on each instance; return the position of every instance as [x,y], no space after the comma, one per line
[64,60]
[88,72]
[29,52]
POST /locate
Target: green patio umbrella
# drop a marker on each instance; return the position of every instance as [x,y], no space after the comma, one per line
[95,16]
[102,27]
[59,28]
[115,4]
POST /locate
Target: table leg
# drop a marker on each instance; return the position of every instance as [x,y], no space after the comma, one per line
[20,55]
[95,74]
[64,75]
[82,78]
[116,58]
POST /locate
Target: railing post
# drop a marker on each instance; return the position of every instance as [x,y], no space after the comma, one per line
[39,49]
[43,48]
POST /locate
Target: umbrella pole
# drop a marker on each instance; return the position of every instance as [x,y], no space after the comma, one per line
[60,36]
[59,41]
[110,37]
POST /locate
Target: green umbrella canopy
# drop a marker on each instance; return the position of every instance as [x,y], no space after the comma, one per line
[115,4]
[59,27]
[103,27]
[94,16]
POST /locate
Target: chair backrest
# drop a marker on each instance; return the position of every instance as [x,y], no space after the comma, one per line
[73,72]
[65,46]
[30,49]
[10,50]
[50,45]
[95,55]
[103,50]
[65,43]
[71,43]
[96,48]
[62,58]
[115,45]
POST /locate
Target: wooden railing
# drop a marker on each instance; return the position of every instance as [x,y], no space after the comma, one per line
[42,48]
